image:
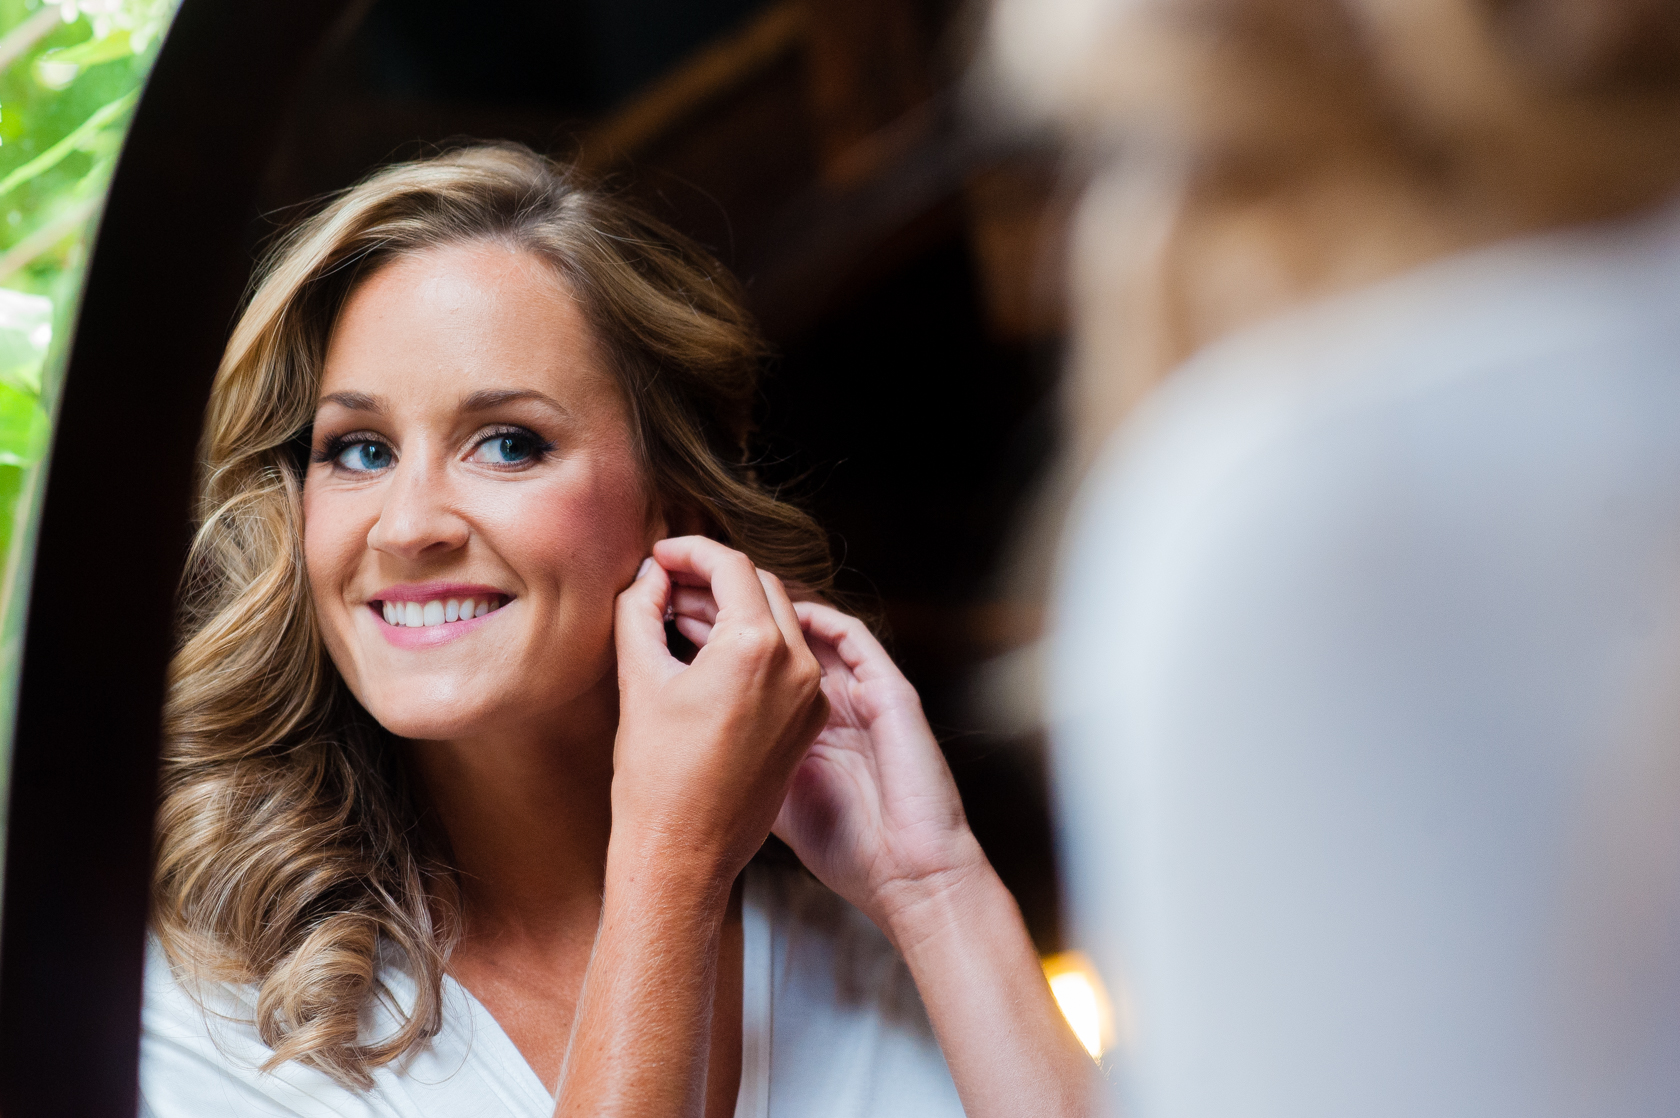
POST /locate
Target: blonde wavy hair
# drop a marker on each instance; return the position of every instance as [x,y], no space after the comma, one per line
[290,854]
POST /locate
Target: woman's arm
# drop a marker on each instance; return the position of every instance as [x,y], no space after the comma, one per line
[1009,1049]
[874,813]
[642,1036]
[702,759]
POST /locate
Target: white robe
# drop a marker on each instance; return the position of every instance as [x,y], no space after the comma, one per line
[832,1027]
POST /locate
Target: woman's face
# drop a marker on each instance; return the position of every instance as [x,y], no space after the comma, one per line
[470,453]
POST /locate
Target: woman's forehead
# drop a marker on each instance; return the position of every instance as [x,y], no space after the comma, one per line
[477,317]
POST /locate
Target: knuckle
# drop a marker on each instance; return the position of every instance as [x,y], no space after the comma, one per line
[761,643]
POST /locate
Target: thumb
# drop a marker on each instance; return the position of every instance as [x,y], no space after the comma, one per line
[639,626]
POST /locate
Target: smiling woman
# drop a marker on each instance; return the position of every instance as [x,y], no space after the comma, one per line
[446,827]
[471,365]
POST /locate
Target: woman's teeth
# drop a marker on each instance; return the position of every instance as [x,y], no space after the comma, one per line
[439,611]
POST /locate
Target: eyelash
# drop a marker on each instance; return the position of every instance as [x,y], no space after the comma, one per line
[541,448]
[338,444]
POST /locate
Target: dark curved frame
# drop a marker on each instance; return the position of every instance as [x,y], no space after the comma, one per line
[168,267]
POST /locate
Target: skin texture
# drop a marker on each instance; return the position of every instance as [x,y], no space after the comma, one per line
[601,798]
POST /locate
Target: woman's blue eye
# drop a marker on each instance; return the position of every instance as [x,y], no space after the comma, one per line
[363,457]
[508,450]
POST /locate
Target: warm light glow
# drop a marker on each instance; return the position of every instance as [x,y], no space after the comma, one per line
[1083,1001]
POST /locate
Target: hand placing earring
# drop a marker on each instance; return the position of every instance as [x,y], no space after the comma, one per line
[872,810]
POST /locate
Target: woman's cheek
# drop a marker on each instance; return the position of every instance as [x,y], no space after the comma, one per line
[334,544]
[597,531]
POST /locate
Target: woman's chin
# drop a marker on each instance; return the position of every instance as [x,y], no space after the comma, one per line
[422,724]
[451,709]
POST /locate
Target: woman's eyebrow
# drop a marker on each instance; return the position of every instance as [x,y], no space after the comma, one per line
[354,401]
[492,398]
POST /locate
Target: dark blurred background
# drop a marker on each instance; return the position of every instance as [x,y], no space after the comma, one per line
[893,252]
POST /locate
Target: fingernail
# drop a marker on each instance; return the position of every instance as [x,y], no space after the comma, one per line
[647,565]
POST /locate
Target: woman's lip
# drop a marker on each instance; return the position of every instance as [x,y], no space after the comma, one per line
[435,591]
[428,636]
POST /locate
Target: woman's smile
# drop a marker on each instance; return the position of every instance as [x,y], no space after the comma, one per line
[426,614]
[437,611]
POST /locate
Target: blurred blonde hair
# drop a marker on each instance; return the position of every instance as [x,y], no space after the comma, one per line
[289,850]
[1254,154]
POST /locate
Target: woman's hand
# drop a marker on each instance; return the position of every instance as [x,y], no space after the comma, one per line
[872,810]
[874,813]
[701,763]
[705,750]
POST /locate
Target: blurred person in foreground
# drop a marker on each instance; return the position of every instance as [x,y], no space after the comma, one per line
[1366,675]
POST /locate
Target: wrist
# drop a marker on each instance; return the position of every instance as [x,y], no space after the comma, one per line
[916,910]
[668,874]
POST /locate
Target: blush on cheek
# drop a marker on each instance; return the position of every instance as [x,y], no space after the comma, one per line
[596,533]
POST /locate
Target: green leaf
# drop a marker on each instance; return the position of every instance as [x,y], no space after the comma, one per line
[85,136]
[117,44]
[11,485]
[67,218]
[24,427]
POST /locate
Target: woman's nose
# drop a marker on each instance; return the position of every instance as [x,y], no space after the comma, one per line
[418,516]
